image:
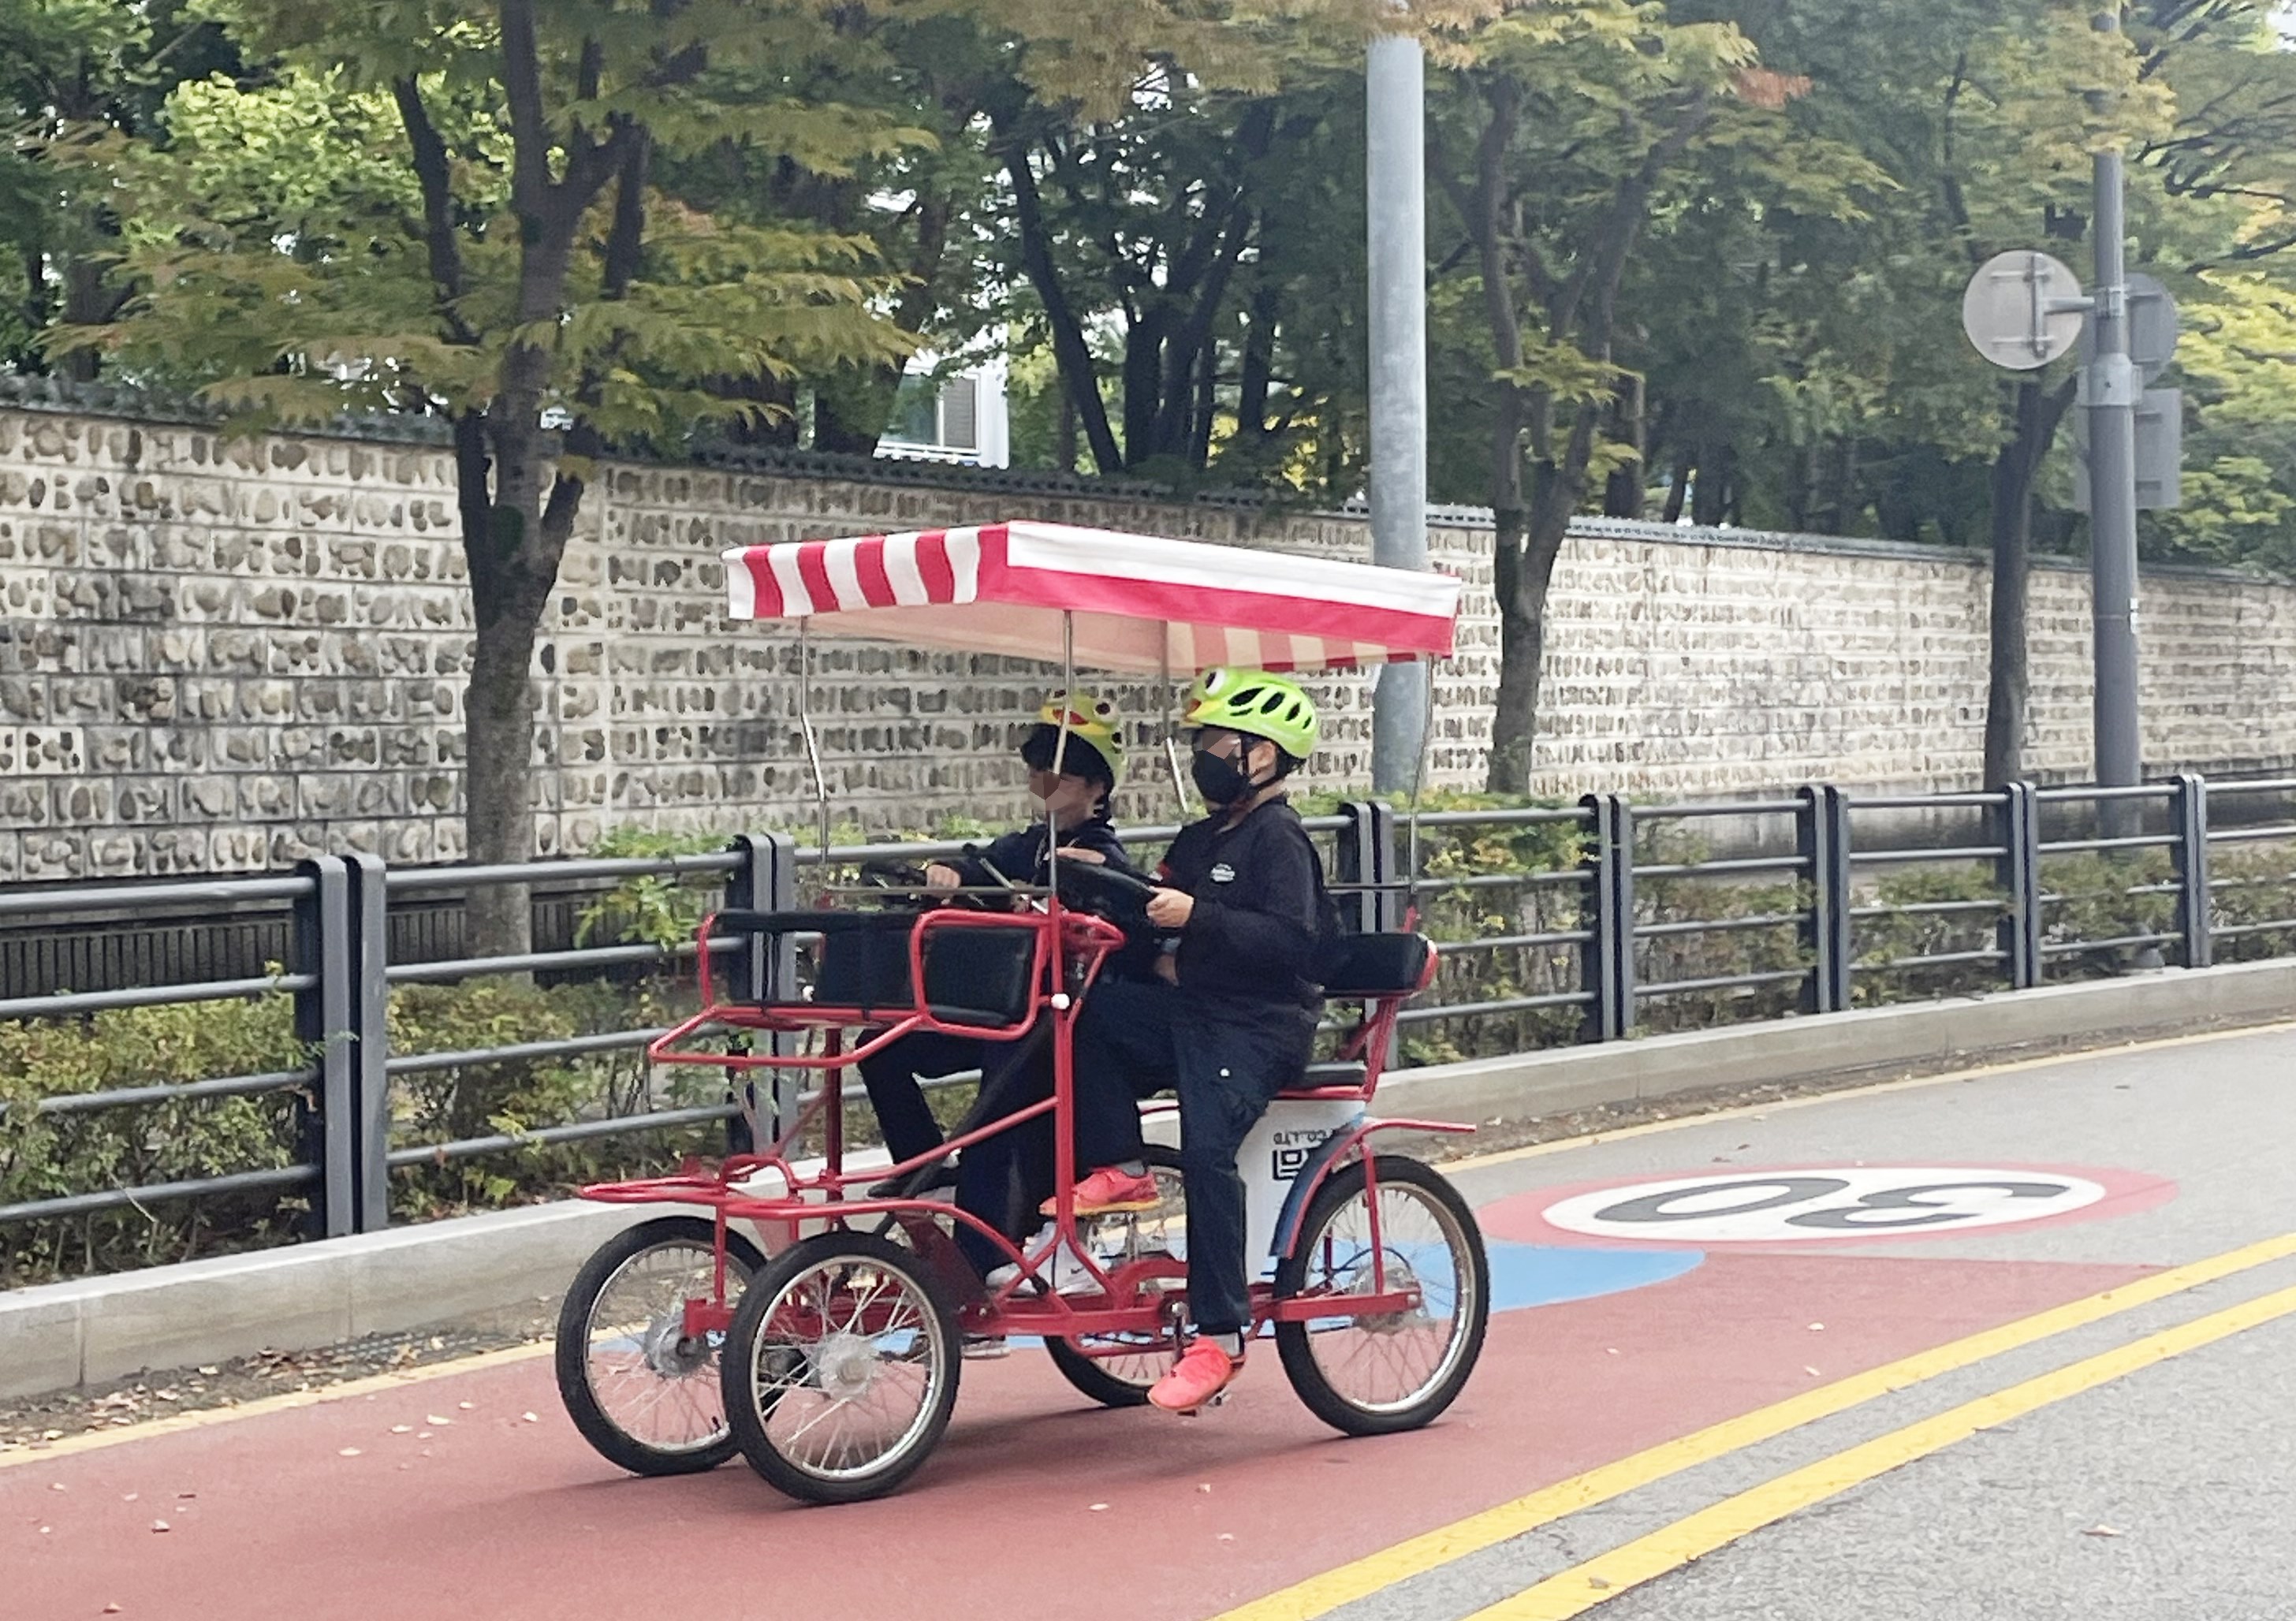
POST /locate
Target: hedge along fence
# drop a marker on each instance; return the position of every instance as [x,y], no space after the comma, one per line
[1517,891]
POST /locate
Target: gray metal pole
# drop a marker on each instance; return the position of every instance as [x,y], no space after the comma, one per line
[2109,391]
[1395,183]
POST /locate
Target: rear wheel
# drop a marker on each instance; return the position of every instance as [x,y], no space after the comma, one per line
[640,1389]
[1115,1369]
[1369,1375]
[840,1370]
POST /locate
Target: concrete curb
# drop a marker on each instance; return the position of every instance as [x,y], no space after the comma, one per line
[94,1330]
[1910,1038]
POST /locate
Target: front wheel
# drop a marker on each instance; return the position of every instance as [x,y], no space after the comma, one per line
[641,1390]
[840,1368]
[1375,1374]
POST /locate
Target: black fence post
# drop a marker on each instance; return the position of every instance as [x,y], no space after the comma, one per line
[1606,958]
[367,938]
[320,943]
[1358,867]
[1822,839]
[2018,871]
[764,880]
[1393,862]
[2188,814]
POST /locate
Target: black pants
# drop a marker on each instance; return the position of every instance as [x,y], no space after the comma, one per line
[890,1074]
[1137,1038]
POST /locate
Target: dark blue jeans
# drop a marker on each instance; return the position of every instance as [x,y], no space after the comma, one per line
[1135,1038]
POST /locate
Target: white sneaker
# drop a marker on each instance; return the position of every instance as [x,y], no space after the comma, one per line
[1069,1275]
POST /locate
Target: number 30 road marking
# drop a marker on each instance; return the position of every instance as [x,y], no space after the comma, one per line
[1831,1202]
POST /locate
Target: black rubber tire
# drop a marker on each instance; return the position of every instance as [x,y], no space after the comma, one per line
[617,1445]
[1292,1341]
[737,1382]
[1089,1374]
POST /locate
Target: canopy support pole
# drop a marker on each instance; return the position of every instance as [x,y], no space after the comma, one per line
[805,726]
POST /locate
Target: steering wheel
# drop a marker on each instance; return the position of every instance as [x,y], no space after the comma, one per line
[1108,892]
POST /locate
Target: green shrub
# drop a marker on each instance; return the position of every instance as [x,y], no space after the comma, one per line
[52,1156]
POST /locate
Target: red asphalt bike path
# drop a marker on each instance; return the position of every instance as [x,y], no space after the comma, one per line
[1035,1500]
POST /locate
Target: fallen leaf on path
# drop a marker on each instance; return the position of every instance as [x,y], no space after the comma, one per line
[2104,1531]
[348,1452]
[1597,1581]
[158,1525]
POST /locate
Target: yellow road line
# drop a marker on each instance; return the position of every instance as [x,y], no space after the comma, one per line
[1875,1089]
[1319,1595]
[1596,1581]
[96,1440]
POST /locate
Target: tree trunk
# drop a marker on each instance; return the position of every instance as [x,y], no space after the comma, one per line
[1678,486]
[1522,636]
[2038,412]
[1079,376]
[1258,373]
[1622,493]
[1708,500]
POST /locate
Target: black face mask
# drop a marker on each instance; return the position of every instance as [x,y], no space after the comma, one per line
[1218,779]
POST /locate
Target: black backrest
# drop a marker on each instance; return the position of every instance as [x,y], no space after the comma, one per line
[979,976]
[1372,965]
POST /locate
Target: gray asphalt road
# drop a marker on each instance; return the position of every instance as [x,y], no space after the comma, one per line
[2167,1494]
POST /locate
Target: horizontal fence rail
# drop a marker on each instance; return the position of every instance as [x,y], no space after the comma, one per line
[1585,922]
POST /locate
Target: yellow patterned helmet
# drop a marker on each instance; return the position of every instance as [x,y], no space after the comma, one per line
[1095,737]
[1258,703]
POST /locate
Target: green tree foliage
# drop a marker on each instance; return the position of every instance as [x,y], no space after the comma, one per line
[71,72]
[1580,131]
[512,265]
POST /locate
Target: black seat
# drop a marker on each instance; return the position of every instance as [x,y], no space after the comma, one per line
[1367,966]
[977,978]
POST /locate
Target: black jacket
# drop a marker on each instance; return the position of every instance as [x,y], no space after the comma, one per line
[1249,945]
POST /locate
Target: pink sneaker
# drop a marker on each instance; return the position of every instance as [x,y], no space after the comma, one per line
[1201,1374]
[1109,1190]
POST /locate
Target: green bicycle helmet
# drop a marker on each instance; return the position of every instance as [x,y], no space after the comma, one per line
[1257,703]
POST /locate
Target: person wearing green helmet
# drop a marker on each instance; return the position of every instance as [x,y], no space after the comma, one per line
[1074,753]
[1229,1017]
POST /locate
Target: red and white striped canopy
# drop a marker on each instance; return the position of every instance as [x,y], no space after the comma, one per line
[1142,605]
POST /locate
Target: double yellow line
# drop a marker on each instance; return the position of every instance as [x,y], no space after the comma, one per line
[1580,1588]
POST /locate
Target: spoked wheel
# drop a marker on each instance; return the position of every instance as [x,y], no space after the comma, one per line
[840,1370]
[641,1390]
[1374,1375]
[1115,1369]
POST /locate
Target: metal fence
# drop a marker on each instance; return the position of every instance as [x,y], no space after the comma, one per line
[1601,919]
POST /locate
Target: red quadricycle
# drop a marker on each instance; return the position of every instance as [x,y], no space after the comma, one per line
[827,1348]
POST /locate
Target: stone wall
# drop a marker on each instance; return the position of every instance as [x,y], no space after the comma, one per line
[219,655]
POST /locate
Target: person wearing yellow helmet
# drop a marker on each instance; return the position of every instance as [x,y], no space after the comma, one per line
[1075,756]
[1229,1017]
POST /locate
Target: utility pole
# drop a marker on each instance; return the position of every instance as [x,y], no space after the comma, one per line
[2108,388]
[1395,83]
